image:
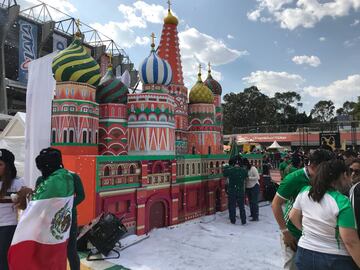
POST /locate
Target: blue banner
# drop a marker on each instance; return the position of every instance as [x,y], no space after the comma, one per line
[27,47]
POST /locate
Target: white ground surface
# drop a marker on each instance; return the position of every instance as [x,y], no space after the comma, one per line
[210,242]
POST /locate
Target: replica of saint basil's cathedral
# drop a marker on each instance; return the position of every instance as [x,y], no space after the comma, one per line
[151,156]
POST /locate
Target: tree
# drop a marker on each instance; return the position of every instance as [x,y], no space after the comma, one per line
[248,108]
[287,112]
[323,111]
[347,108]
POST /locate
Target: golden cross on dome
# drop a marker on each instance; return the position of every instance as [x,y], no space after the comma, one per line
[152,40]
[78,24]
[200,68]
[209,66]
[169,4]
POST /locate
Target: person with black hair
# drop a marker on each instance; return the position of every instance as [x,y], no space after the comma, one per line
[48,162]
[288,190]
[325,216]
[236,175]
[355,190]
[9,186]
[252,189]
[294,165]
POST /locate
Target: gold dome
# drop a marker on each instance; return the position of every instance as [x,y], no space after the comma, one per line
[200,93]
[171,19]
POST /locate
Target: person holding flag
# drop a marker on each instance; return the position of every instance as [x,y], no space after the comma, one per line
[40,239]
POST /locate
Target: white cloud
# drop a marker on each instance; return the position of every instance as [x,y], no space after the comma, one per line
[271,82]
[356,22]
[197,47]
[230,36]
[140,13]
[137,15]
[349,89]
[302,13]
[254,15]
[322,39]
[121,34]
[351,42]
[312,60]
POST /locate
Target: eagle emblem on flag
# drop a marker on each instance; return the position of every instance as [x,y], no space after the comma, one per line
[61,222]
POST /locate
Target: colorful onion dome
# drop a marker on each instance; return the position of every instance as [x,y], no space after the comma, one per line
[213,84]
[111,89]
[155,70]
[75,64]
[200,93]
[171,19]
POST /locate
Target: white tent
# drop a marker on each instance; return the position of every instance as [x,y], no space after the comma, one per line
[13,139]
[275,146]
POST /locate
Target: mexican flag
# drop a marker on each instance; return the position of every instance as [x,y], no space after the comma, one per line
[40,240]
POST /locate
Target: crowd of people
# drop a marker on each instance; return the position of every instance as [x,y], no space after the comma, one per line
[316,205]
[14,195]
[320,222]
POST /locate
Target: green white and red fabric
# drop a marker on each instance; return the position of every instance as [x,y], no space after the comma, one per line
[40,240]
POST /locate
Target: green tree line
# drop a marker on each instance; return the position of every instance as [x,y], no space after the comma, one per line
[251,108]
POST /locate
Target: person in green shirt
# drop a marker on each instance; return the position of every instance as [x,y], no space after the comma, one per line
[288,190]
[283,166]
[294,165]
[236,175]
[49,162]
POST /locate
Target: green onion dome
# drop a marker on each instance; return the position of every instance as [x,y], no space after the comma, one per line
[111,89]
[200,93]
[75,64]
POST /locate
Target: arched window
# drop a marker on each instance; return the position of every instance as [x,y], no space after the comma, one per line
[158,168]
[211,165]
[187,169]
[90,138]
[182,169]
[71,136]
[65,136]
[120,170]
[193,150]
[199,168]
[84,136]
[96,137]
[193,168]
[132,169]
[217,164]
[106,171]
[209,150]
[53,136]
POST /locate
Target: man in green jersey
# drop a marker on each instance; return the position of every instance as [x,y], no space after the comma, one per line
[294,165]
[288,190]
[236,175]
[283,166]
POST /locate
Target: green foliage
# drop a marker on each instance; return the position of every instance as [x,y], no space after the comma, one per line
[323,111]
[253,108]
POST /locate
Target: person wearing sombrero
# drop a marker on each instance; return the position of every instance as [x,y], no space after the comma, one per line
[10,184]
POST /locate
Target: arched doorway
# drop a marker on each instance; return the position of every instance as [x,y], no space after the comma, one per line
[217,200]
[157,218]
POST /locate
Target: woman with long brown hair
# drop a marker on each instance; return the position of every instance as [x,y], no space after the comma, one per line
[329,238]
[9,185]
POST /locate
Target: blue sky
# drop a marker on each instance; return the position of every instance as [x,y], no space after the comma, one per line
[308,46]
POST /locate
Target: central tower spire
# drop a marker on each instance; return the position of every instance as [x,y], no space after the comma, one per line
[170,51]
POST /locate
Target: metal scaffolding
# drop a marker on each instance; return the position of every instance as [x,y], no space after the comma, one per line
[66,24]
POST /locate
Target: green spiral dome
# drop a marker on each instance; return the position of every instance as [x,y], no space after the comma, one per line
[111,90]
[75,64]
